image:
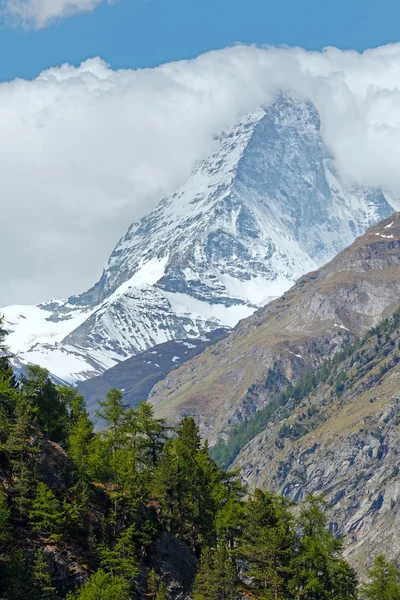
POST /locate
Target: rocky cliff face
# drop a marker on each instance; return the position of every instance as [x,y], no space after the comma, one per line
[323,311]
[265,208]
[342,439]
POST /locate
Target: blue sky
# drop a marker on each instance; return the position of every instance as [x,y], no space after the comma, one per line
[139,33]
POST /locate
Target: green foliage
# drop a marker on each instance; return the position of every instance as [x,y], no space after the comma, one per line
[161,592]
[268,544]
[384,581]
[185,483]
[46,515]
[17,579]
[42,588]
[21,448]
[46,400]
[120,560]
[103,586]
[319,570]
[152,583]
[112,413]
[81,446]
[217,577]
[135,478]
[5,519]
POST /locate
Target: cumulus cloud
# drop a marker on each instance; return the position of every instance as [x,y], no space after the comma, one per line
[86,151]
[39,13]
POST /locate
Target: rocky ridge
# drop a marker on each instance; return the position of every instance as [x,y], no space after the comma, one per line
[325,310]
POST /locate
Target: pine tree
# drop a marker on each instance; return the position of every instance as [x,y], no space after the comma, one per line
[79,445]
[161,592]
[216,578]
[103,586]
[8,392]
[384,581]
[184,482]
[320,572]
[46,514]
[268,544]
[152,435]
[22,449]
[230,521]
[48,404]
[112,413]
[152,583]
[17,576]
[5,519]
[42,587]
[120,560]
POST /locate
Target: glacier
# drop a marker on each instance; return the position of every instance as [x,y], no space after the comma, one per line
[266,207]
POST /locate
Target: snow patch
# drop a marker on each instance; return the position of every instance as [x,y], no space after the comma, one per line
[341,327]
[382,235]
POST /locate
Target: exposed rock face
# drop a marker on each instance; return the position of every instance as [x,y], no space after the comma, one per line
[53,464]
[265,208]
[171,557]
[345,445]
[324,310]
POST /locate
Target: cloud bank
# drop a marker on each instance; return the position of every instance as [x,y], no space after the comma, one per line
[86,151]
[39,13]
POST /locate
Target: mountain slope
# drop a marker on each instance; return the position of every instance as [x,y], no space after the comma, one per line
[341,438]
[265,208]
[137,376]
[294,334]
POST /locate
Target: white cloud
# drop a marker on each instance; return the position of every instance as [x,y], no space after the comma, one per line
[85,151]
[39,13]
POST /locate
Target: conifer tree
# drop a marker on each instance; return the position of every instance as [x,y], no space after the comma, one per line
[320,572]
[46,514]
[103,586]
[49,407]
[17,576]
[8,392]
[230,521]
[384,581]
[79,446]
[42,587]
[112,412]
[216,578]
[152,583]
[152,435]
[22,448]
[5,519]
[268,544]
[161,592]
[121,561]
[184,483]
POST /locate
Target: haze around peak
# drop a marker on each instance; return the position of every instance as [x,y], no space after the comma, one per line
[87,150]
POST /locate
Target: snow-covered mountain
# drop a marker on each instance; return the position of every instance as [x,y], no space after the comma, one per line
[265,208]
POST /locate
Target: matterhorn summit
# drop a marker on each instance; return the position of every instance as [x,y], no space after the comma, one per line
[265,208]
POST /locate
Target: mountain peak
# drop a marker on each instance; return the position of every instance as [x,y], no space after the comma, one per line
[264,208]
